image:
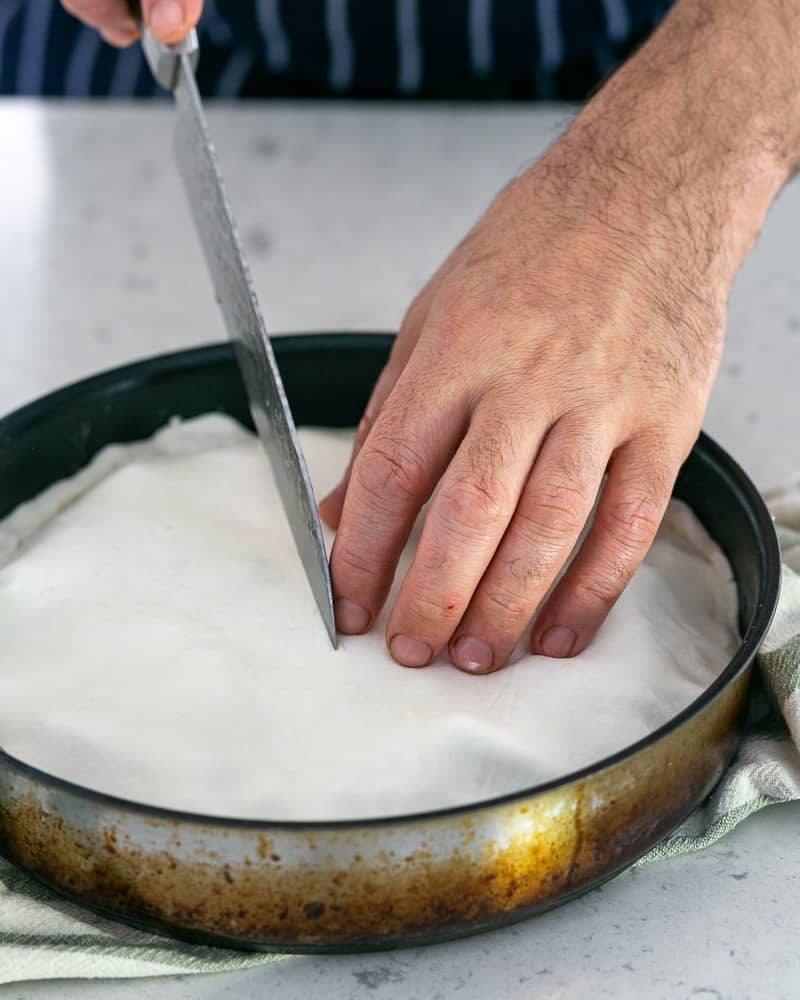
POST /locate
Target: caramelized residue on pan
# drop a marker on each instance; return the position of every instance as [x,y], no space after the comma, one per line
[467,870]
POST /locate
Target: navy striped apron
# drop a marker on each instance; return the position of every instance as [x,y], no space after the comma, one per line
[442,49]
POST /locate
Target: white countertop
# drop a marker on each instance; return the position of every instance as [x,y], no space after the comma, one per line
[345,210]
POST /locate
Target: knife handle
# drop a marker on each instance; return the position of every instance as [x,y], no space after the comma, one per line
[165,60]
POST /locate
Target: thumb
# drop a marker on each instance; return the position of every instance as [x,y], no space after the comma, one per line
[168,21]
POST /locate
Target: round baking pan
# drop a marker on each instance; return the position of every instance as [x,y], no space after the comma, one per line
[376,883]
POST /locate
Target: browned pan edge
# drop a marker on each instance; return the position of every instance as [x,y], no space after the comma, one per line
[376,885]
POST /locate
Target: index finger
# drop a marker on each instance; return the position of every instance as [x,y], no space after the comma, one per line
[393,475]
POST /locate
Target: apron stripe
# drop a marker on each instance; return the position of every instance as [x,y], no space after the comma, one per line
[125,77]
[409,73]
[276,44]
[78,76]
[338,25]
[480,37]
[551,46]
[30,72]
[231,80]
[617,20]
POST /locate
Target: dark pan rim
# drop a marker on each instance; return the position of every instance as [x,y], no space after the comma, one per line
[299,343]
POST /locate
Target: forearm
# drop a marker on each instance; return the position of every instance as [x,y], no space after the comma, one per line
[701,127]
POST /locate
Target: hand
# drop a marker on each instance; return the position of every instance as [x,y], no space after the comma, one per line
[168,20]
[575,333]
[545,353]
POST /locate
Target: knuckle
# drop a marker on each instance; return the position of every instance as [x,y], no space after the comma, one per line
[493,447]
[600,588]
[506,605]
[554,511]
[353,560]
[453,317]
[633,522]
[655,463]
[534,569]
[390,469]
[473,505]
[576,465]
[427,608]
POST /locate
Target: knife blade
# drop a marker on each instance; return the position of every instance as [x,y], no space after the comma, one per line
[173,67]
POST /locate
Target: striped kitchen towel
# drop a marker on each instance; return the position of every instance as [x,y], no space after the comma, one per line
[767,767]
[42,936]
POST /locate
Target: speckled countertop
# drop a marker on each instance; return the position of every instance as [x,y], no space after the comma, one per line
[344,211]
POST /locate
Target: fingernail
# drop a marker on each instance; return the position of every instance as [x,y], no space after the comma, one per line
[473,655]
[410,652]
[167,17]
[557,641]
[351,618]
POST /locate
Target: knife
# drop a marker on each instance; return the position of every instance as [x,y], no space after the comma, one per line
[173,68]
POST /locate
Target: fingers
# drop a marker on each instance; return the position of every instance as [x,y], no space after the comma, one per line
[463,527]
[552,511]
[330,507]
[168,20]
[112,18]
[630,510]
[393,475]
